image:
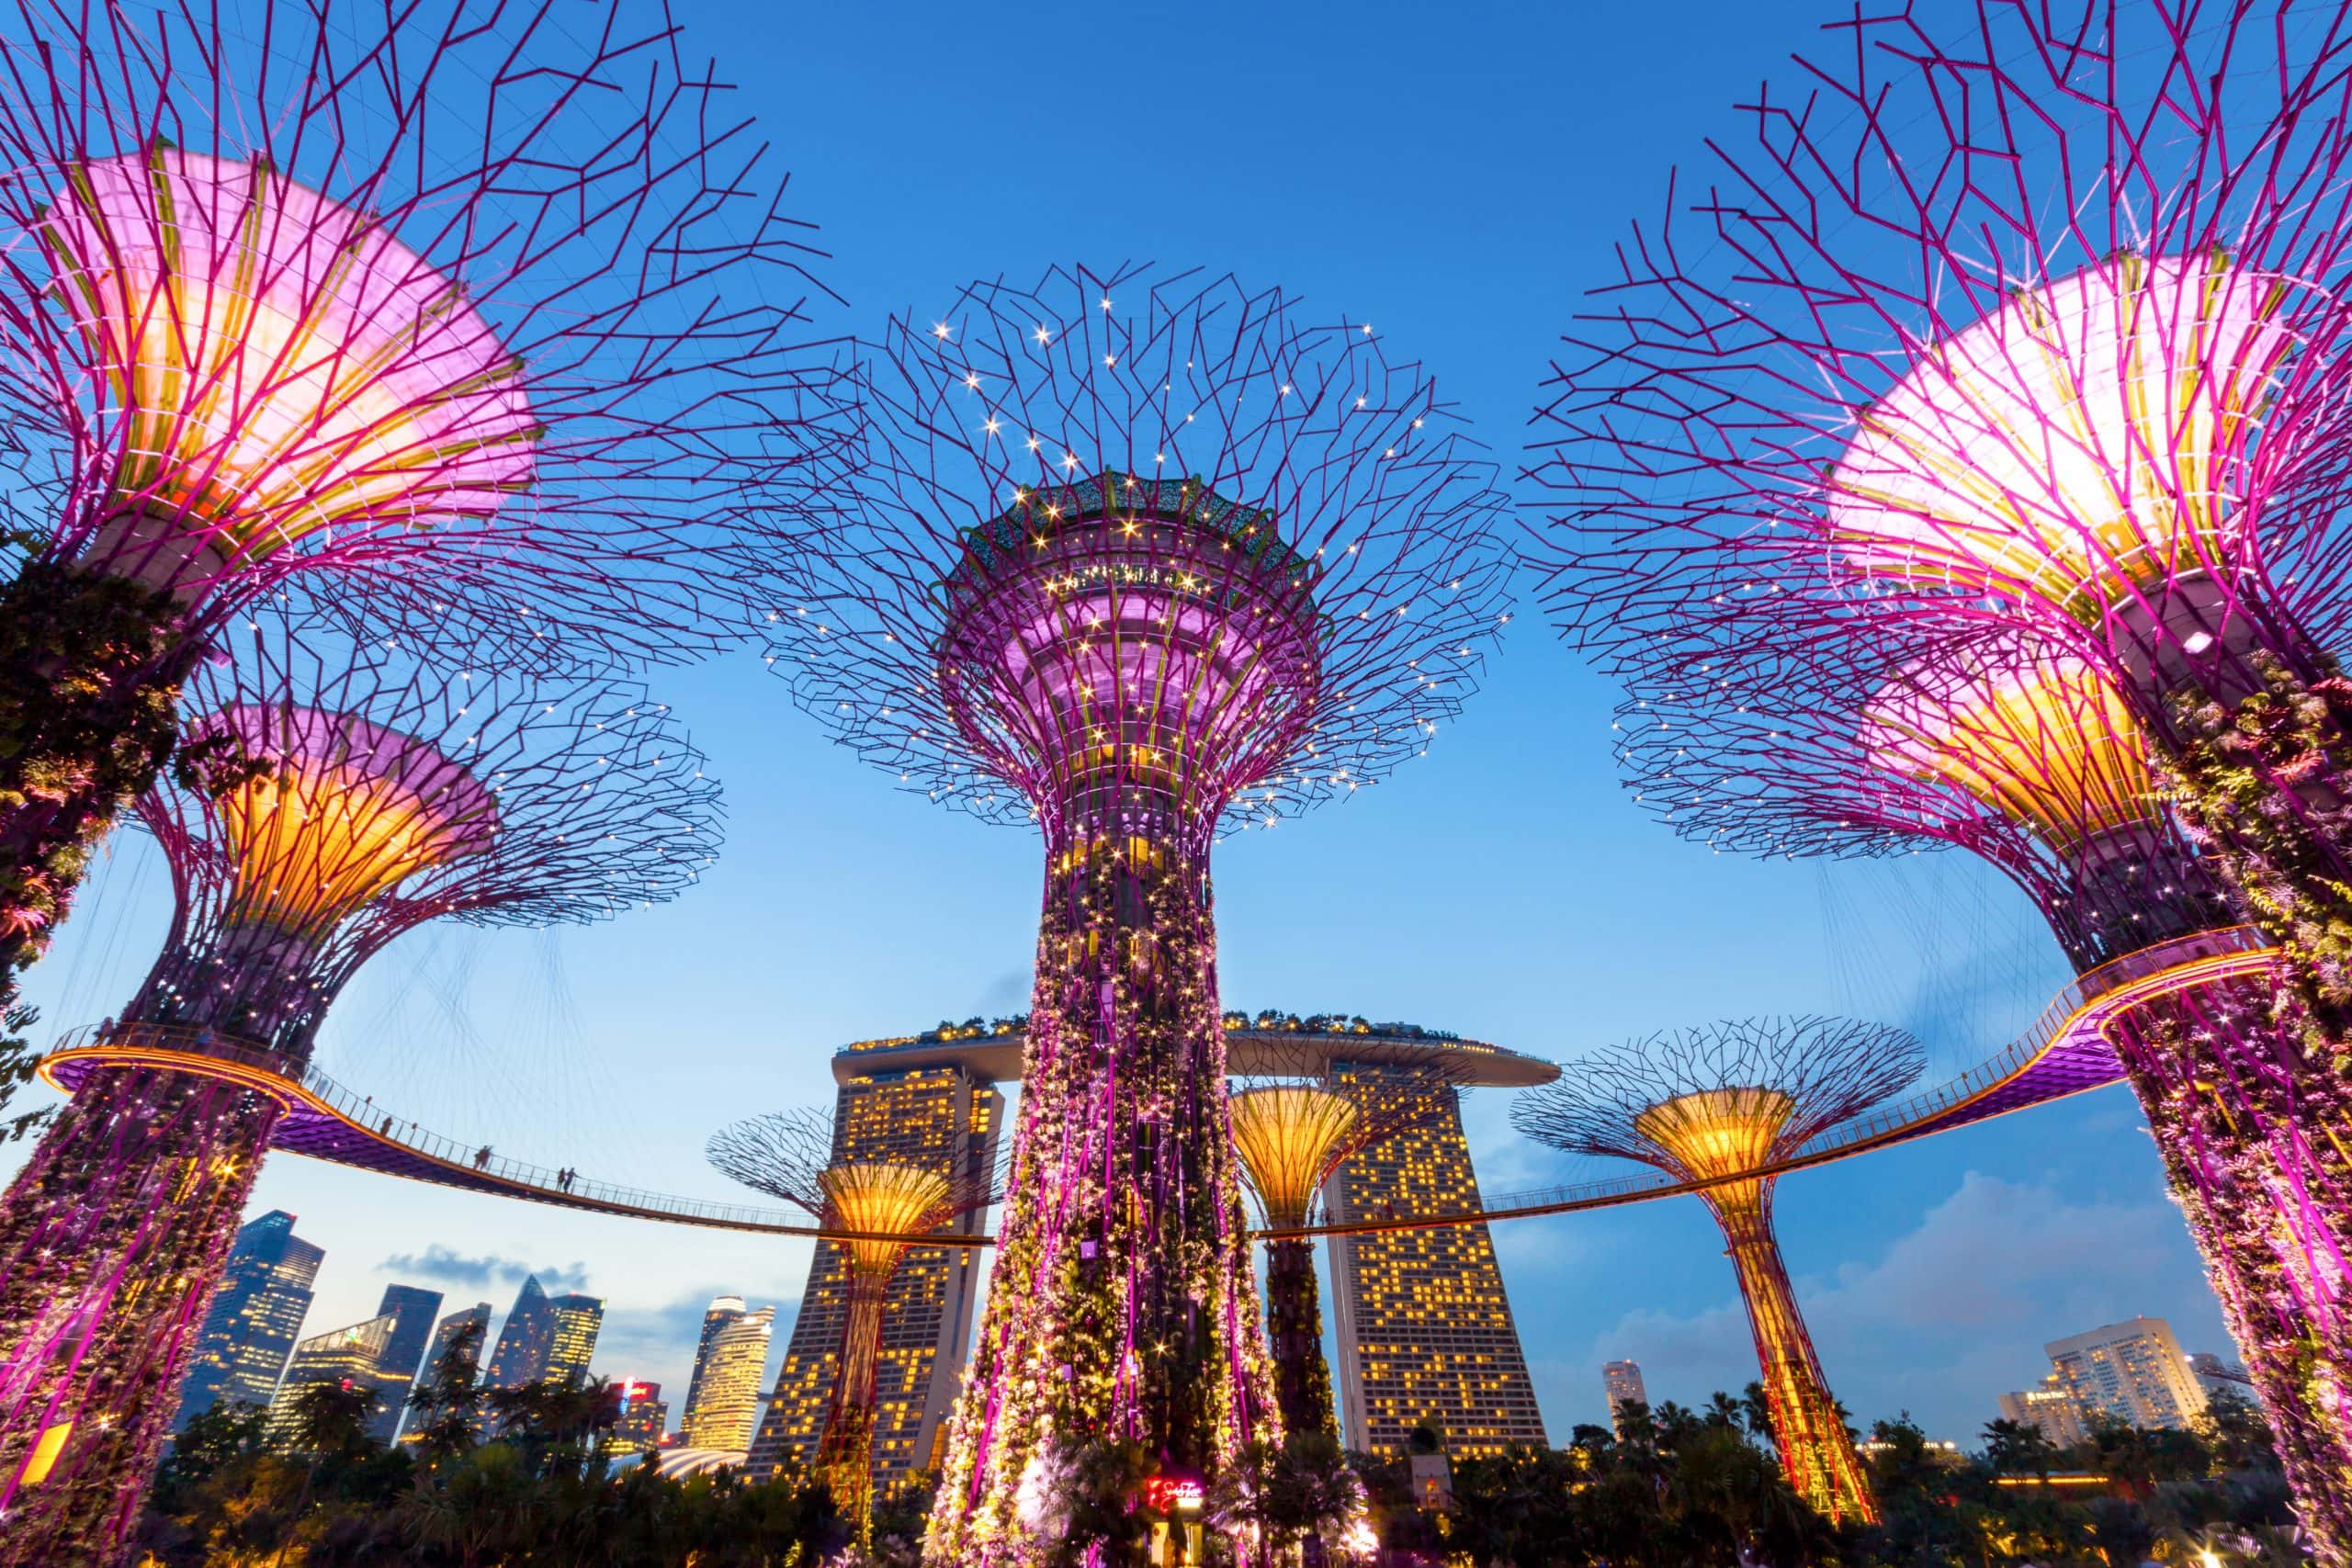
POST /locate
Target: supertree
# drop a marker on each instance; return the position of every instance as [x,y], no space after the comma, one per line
[1713,1104]
[1143,562]
[1296,1122]
[2027,758]
[481,325]
[884,1208]
[2039,329]
[2000,392]
[344,795]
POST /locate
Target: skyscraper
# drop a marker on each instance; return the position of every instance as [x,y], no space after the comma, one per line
[410,1310]
[471,1326]
[251,1327]
[578,1320]
[722,1310]
[724,1409]
[2132,1370]
[916,1115]
[352,1356]
[2051,1409]
[1424,1326]
[643,1416]
[1621,1382]
[525,1343]
[473,1321]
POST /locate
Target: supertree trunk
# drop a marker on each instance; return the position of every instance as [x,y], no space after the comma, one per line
[2258,777]
[1120,1309]
[1816,1455]
[1294,1323]
[2245,1111]
[845,1453]
[112,1241]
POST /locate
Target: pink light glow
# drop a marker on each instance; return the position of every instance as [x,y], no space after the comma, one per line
[2092,433]
[285,364]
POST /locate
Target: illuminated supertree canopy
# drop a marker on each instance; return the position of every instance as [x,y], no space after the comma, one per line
[1296,1122]
[1147,562]
[2018,454]
[330,798]
[886,1206]
[2037,329]
[1709,1105]
[350,306]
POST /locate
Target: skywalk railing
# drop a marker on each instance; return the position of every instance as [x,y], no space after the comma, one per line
[473,1164]
[1889,1124]
[483,1167]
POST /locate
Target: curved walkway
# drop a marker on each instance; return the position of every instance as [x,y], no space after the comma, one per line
[328,1121]
[2065,1053]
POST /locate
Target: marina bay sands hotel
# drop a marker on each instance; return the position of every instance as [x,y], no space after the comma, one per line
[1424,1326]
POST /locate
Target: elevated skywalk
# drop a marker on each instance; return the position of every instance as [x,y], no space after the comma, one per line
[2065,1053]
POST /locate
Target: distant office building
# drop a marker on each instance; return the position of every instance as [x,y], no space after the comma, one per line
[410,1310]
[919,1113]
[578,1320]
[546,1338]
[352,1357]
[643,1418]
[2051,1409]
[2132,1370]
[254,1319]
[722,1310]
[724,1409]
[1621,1382]
[473,1323]
[1424,1326]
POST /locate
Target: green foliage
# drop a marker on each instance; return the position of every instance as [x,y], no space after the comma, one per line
[2236,781]
[536,1497]
[1674,1489]
[1679,1488]
[18,1062]
[90,673]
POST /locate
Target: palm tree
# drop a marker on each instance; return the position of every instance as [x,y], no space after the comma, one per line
[1676,1423]
[330,1422]
[1758,1410]
[448,1400]
[2011,1448]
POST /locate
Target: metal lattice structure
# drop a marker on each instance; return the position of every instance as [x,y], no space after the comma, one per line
[886,1206]
[1711,1104]
[485,327]
[332,798]
[1979,427]
[1295,1124]
[1147,560]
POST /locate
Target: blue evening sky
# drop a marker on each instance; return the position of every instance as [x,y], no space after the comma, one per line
[1456,176]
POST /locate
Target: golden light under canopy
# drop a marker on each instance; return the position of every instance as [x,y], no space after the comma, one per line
[2042,740]
[339,811]
[1289,1136]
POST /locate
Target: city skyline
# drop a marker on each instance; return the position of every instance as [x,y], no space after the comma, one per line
[751,993]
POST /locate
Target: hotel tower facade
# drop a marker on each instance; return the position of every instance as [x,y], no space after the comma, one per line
[1425,1331]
